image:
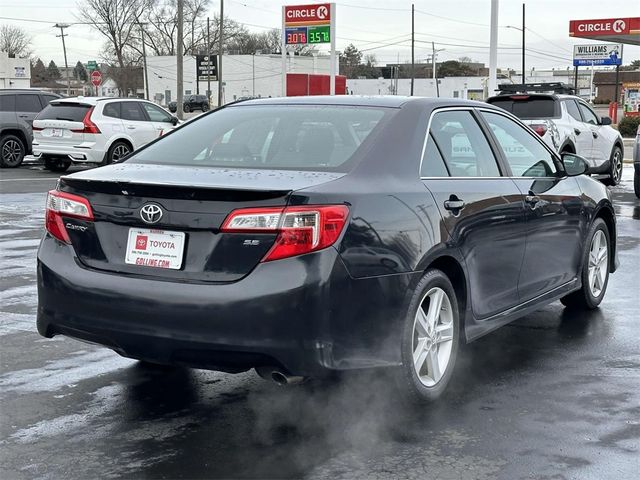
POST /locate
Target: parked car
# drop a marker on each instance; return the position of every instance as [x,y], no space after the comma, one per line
[568,124]
[270,234]
[17,111]
[191,103]
[96,130]
[636,164]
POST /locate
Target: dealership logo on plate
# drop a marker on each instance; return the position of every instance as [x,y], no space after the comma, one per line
[141,242]
[151,213]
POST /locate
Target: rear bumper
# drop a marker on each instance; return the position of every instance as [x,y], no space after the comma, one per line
[85,152]
[294,313]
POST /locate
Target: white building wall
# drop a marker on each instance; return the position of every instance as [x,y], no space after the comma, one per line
[243,75]
[14,72]
[450,87]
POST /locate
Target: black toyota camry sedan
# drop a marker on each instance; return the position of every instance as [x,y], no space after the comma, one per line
[304,236]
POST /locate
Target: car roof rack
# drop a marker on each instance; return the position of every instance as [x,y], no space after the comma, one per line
[555,87]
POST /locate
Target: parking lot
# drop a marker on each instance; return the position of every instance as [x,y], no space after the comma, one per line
[553,395]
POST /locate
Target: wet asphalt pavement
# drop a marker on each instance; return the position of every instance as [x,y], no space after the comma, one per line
[554,395]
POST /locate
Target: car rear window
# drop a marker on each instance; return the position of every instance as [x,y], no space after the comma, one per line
[527,107]
[73,112]
[294,137]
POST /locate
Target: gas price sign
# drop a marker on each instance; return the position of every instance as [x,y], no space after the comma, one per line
[307,24]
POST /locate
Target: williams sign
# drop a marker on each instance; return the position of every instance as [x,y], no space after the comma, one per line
[597,54]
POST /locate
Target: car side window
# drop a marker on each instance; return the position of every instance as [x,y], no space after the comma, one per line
[156,114]
[587,113]
[432,162]
[572,109]
[28,103]
[463,145]
[525,154]
[112,110]
[7,103]
[132,111]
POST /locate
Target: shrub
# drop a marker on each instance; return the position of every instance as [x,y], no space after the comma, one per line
[628,126]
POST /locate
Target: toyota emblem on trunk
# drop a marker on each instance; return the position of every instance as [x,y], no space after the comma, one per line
[151,213]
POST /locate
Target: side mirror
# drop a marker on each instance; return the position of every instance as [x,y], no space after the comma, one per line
[174,121]
[574,164]
[605,121]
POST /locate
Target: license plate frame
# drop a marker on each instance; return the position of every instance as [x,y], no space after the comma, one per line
[155,248]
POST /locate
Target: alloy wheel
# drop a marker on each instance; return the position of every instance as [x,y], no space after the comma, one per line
[119,152]
[11,152]
[432,337]
[598,263]
[616,169]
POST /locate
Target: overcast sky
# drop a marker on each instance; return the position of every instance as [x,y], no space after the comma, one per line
[371,25]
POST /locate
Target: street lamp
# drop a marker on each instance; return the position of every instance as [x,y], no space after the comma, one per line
[523,44]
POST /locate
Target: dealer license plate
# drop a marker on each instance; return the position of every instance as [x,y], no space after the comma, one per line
[155,248]
[56,132]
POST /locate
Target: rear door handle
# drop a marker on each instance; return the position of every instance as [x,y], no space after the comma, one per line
[131,127]
[578,132]
[23,116]
[532,200]
[454,204]
[595,135]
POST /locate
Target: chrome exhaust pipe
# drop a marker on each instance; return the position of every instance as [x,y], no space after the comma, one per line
[279,377]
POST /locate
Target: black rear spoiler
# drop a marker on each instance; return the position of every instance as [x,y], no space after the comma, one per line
[556,87]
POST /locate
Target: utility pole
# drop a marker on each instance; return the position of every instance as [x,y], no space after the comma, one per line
[219,73]
[524,72]
[413,65]
[209,65]
[180,64]
[433,68]
[492,83]
[144,62]
[253,74]
[62,26]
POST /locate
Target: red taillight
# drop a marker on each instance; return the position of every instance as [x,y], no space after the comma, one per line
[300,229]
[519,97]
[539,128]
[36,129]
[89,126]
[61,204]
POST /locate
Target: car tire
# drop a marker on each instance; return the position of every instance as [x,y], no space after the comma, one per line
[205,107]
[636,183]
[595,269]
[55,164]
[615,167]
[186,108]
[430,339]
[117,151]
[12,151]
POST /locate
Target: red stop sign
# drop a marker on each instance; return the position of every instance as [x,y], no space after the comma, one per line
[96,78]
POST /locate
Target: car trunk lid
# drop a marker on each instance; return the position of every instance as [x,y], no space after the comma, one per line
[194,203]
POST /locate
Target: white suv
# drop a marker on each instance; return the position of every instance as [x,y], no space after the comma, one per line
[569,125]
[96,130]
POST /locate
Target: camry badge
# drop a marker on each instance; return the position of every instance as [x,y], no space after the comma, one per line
[151,213]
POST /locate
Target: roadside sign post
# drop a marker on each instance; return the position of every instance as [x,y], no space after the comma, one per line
[309,25]
[96,79]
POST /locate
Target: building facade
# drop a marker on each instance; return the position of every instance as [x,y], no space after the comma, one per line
[14,72]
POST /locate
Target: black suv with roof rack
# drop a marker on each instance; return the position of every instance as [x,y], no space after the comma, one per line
[18,108]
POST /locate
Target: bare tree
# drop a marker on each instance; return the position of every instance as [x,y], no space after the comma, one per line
[116,20]
[15,41]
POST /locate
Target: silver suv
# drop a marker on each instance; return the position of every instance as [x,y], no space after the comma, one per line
[18,108]
[568,124]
